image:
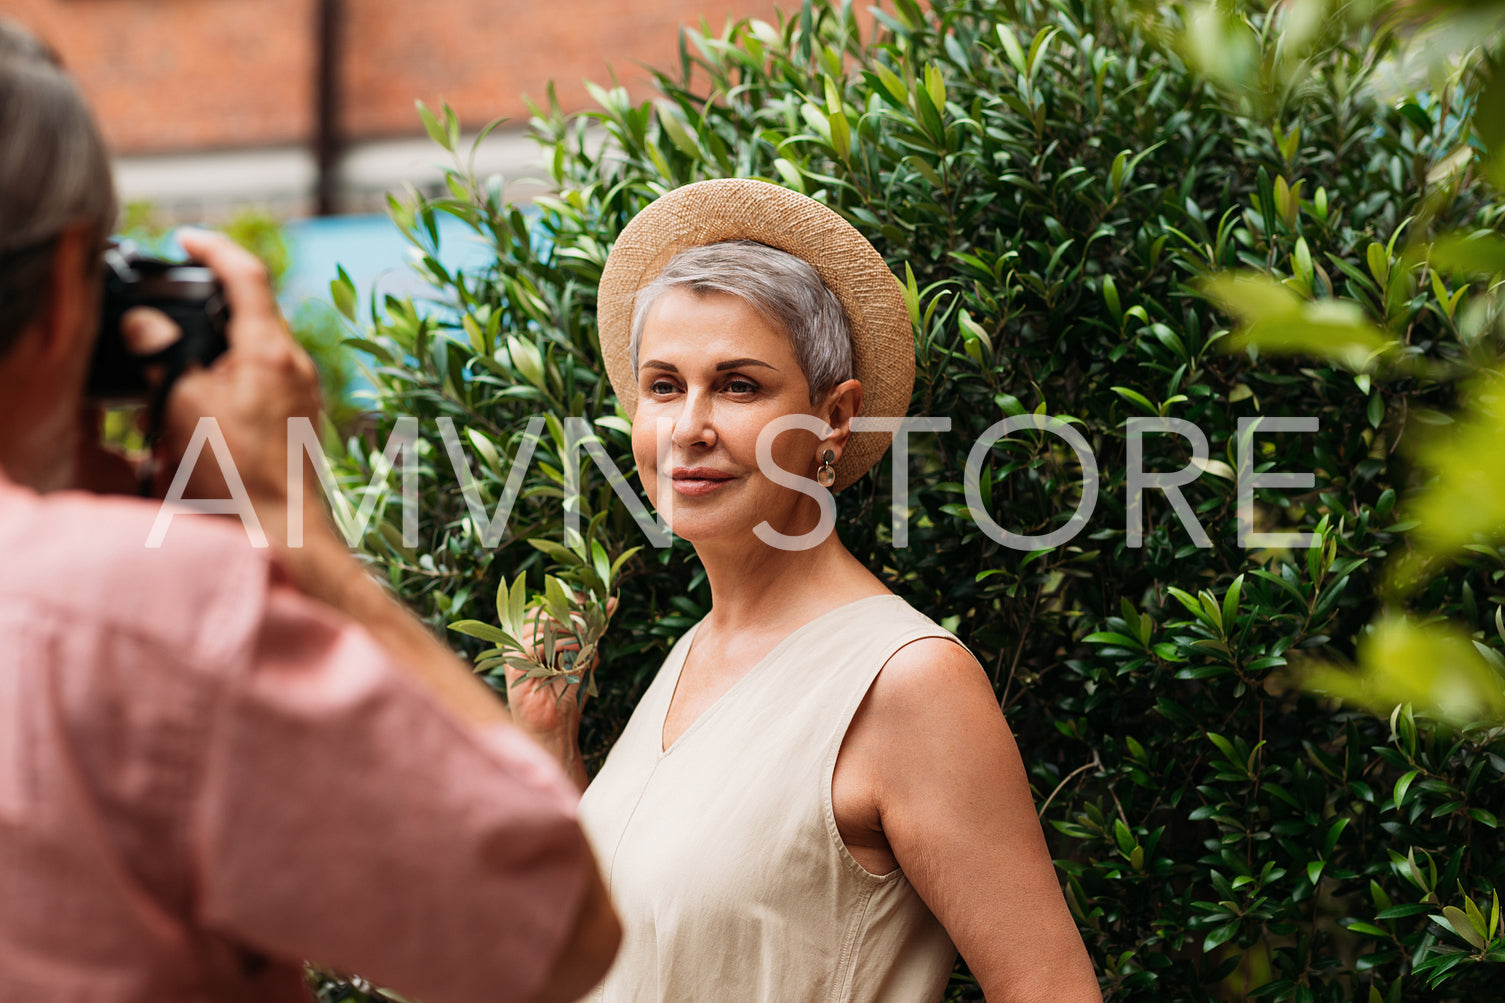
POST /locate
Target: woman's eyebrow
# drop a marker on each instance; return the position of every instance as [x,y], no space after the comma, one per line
[722,367]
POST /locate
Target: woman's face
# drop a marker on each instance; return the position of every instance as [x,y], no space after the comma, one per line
[712,373]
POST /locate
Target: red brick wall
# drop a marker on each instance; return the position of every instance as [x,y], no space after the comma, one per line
[170,75]
[482,55]
[186,74]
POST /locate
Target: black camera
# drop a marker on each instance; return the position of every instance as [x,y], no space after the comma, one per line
[191,297]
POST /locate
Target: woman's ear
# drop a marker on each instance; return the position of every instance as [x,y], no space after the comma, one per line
[842,404]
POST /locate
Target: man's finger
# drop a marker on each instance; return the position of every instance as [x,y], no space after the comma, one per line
[146,331]
[248,288]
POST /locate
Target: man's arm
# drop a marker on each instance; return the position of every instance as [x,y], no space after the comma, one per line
[262,382]
[592,944]
[341,815]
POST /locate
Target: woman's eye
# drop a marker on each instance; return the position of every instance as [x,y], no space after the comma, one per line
[660,387]
[741,386]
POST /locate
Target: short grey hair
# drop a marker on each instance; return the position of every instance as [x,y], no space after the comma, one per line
[54,172]
[784,289]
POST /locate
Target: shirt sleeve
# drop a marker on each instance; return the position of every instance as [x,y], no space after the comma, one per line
[343,817]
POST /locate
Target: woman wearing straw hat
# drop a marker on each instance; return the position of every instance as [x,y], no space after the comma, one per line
[818,797]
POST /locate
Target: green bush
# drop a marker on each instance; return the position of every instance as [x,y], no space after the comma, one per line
[1051,182]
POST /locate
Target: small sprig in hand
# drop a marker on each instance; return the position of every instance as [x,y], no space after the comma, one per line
[554,634]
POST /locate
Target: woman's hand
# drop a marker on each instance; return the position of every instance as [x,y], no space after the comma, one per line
[547,709]
[550,709]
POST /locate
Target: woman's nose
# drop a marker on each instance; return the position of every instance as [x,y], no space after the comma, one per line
[694,426]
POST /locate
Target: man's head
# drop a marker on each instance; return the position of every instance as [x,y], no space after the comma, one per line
[57,206]
[54,177]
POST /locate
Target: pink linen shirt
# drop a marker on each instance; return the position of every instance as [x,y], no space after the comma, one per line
[206,777]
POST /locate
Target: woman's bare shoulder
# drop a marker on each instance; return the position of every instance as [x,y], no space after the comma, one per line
[932,675]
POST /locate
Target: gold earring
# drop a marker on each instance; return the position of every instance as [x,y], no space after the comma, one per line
[826,475]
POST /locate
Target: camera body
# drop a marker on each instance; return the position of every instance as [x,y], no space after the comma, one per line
[191,297]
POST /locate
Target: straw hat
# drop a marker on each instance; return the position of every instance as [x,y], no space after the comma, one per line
[736,208]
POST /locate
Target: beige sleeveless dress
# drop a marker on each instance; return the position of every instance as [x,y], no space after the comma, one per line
[722,854]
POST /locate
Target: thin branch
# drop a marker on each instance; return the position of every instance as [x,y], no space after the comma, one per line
[1067,779]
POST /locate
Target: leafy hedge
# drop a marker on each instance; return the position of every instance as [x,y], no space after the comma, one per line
[1051,182]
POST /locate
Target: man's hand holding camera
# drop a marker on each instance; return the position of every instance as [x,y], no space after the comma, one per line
[262,380]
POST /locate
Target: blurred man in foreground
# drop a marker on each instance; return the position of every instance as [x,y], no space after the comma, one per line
[208,772]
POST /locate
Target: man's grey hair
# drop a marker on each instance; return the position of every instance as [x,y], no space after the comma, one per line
[54,172]
[784,289]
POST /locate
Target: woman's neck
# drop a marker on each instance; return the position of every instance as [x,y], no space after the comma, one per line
[755,585]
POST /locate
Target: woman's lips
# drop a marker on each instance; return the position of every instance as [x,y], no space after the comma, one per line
[695,481]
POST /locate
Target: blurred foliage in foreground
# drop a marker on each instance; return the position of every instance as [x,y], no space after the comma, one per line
[1060,187]
[1438,68]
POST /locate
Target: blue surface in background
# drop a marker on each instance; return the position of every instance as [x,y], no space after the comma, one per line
[376,256]
[374,253]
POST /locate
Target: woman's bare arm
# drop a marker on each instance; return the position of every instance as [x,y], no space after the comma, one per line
[955,808]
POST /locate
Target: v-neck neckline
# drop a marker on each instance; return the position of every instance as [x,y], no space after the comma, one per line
[689,643]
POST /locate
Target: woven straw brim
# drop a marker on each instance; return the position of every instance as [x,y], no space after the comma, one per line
[731,209]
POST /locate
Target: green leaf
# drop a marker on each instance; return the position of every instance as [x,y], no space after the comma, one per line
[517,605]
[683,141]
[790,174]
[600,562]
[484,631]
[1220,936]
[1189,602]
[561,555]
[526,359]
[1464,499]
[1367,929]
[1379,263]
[911,294]
[1475,916]
[1012,48]
[1434,665]
[616,566]
[484,446]
[841,135]
[1274,320]
[1481,253]
[1214,614]
[935,86]
[1459,921]
[1224,746]
[1334,831]
[342,292]
[1138,399]
[1110,297]
[1403,785]
[1231,601]
[1110,637]
[1036,57]
[437,132]
[892,84]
